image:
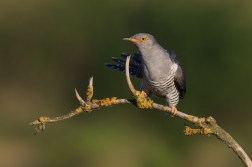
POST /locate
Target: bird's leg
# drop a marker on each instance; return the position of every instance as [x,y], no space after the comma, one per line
[145,89]
[173,108]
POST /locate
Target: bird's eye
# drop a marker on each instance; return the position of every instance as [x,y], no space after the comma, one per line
[143,38]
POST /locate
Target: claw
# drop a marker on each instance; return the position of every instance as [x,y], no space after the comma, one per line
[173,111]
[143,93]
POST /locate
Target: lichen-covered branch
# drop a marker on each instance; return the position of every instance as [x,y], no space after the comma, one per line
[207,126]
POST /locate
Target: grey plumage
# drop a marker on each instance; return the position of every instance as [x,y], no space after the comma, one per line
[162,75]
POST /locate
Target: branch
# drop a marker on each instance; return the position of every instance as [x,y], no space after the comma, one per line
[207,126]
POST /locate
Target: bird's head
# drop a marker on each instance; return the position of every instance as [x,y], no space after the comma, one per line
[142,40]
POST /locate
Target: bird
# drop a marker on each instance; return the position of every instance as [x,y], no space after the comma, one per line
[162,75]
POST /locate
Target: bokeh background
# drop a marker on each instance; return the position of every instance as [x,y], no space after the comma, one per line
[47,48]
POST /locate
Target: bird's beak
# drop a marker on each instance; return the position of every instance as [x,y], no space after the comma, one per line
[134,40]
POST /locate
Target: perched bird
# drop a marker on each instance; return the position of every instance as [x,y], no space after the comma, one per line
[162,75]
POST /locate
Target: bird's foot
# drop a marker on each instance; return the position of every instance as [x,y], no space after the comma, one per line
[173,111]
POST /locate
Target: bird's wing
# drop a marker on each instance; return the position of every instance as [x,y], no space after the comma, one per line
[134,65]
[172,55]
[180,80]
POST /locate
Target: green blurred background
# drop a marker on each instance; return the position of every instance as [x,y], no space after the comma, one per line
[47,48]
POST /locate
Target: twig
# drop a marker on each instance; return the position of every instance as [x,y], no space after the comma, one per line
[207,126]
[130,85]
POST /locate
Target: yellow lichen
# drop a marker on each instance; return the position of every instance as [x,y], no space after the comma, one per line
[89,93]
[43,119]
[165,108]
[95,101]
[79,109]
[190,118]
[202,121]
[142,100]
[40,121]
[87,108]
[206,131]
[201,131]
[113,100]
[105,102]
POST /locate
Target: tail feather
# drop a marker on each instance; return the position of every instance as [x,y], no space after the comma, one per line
[119,61]
[123,63]
[134,60]
[137,56]
[124,55]
[121,68]
[134,65]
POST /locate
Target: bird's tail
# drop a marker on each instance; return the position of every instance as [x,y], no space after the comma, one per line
[134,65]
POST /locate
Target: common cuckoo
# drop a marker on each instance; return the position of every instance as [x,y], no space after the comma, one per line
[162,75]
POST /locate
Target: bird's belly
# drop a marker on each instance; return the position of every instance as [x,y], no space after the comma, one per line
[159,91]
[160,88]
